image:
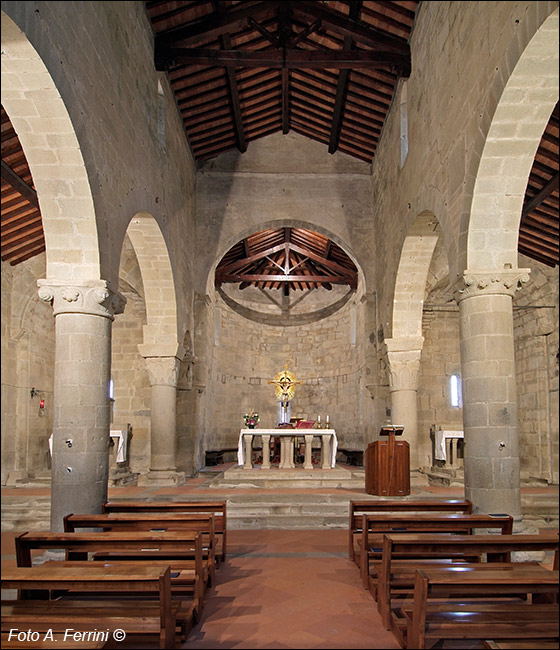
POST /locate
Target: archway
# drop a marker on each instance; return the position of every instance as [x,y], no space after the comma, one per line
[405,346]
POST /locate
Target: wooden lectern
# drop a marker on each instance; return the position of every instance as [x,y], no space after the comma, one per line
[388,464]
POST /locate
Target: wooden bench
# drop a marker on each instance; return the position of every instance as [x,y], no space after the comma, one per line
[158,616]
[155,522]
[374,526]
[218,508]
[400,549]
[174,548]
[499,602]
[358,508]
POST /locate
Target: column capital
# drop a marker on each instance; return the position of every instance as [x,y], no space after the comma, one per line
[403,357]
[93,297]
[485,282]
[163,371]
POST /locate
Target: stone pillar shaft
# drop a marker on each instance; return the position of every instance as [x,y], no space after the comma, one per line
[489,390]
[80,461]
[163,372]
[403,355]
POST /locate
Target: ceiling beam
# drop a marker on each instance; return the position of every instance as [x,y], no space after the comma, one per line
[395,63]
[342,84]
[284,35]
[213,25]
[9,175]
[355,29]
[225,40]
[541,196]
[253,277]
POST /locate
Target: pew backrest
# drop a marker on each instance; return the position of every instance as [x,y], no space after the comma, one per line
[357,508]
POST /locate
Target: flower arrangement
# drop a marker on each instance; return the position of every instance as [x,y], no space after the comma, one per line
[251,419]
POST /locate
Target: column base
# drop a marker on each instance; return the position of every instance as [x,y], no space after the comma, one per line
[16,476]
[161,477]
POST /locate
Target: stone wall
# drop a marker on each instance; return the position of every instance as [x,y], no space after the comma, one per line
[27,363]
[536,348]
[323,355]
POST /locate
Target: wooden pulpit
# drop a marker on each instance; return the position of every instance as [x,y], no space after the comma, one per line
[387,463]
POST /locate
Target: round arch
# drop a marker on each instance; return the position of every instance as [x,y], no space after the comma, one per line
[161,337]
[517,121]
[47,135]
[412,273]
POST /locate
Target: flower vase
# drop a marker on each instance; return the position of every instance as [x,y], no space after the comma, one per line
[250,426]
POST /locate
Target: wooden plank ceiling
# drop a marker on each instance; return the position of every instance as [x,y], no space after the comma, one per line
[288,259]
[243,70]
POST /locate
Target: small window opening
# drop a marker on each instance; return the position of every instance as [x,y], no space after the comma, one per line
[404,123]
[455,386]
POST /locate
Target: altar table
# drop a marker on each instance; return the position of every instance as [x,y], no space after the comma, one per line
[329,445]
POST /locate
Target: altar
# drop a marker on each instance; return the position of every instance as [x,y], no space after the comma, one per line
[329,445]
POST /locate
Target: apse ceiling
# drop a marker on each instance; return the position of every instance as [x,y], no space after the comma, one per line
[290,259]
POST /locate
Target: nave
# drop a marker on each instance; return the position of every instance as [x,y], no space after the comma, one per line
[278,588]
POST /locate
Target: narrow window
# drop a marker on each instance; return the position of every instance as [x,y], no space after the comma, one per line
[455,386]
[404,123]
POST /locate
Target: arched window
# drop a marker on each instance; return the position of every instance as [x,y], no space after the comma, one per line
[455,390]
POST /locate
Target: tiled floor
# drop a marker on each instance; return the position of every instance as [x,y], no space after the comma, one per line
[278,588]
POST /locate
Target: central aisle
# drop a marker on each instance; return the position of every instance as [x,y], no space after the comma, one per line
[289,589]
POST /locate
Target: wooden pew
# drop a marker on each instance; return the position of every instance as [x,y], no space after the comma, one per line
[468,616]
[174,548]
[397,570]
[158,616]
[374,526]
[219,508]
[361,507]
[154,522]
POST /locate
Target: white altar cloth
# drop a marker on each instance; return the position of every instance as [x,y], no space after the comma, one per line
[121,440]
[440,446]
[288,432]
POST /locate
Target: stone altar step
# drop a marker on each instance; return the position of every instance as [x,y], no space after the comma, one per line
[338,477]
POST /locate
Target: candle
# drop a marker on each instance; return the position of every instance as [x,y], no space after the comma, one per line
[327,422]
[318,422]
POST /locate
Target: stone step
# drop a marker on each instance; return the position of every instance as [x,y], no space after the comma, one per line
[272,510]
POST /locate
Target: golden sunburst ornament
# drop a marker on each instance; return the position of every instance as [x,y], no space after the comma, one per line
[284,384]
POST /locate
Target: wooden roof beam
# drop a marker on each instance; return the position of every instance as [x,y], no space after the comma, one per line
[342,84]
[19,184]
[359,31]
[225,40]
[213,25]
[305,59]
[539,198]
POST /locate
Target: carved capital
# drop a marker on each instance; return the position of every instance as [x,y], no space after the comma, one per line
[163,371]
[403,358]
[93,297]
[491,282]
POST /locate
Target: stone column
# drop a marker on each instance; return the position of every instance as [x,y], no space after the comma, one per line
[83,314]
[265,451]
[403,357]
[248,443]
[163,372]
[308,460]
[489,389]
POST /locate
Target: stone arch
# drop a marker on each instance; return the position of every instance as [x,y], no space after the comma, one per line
[519,108]
[47,135]
[412,273]
[160,332]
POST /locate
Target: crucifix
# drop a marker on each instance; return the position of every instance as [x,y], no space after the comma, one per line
[285,387]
